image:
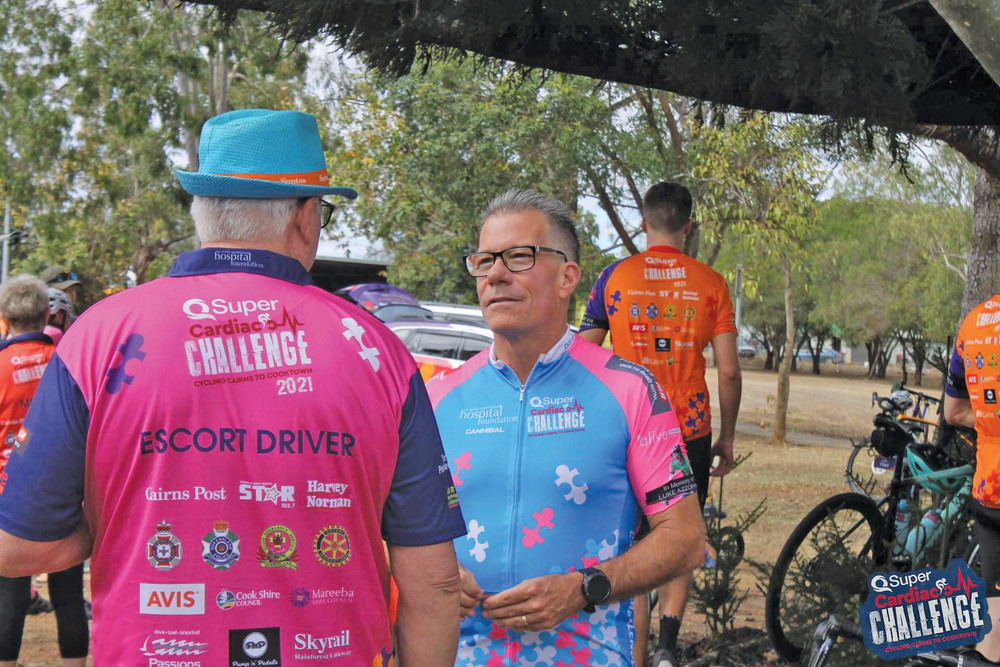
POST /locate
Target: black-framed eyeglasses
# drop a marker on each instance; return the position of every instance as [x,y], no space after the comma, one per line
[516,258]
[326,210]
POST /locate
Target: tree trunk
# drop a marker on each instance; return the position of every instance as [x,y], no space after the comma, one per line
[983,268]
[785,372]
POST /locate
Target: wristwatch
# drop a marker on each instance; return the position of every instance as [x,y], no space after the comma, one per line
[596,588]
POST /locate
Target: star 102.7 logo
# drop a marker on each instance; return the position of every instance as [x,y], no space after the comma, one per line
[925,610]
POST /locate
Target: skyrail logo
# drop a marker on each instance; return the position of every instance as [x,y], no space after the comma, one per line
[198,309]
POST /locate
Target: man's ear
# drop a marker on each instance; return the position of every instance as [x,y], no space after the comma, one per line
[300,227]
[644,226]
[569,277]
[688,227]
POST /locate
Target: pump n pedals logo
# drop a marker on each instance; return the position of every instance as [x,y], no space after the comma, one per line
[925,610]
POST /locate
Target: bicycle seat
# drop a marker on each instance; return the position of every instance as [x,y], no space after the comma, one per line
[889,438]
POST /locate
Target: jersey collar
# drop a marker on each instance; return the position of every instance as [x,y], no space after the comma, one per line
[31,336]
[554,354]
[240,260]
[664,248]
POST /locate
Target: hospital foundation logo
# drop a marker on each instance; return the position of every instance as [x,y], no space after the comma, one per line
[277,548]
[221,547]
[925,610]
[332,547]
[163,550]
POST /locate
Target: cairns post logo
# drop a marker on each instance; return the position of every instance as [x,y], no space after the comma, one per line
[926,610]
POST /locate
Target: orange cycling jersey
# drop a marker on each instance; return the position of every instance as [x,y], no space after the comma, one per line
[974,374]
[22,361]
[662,308]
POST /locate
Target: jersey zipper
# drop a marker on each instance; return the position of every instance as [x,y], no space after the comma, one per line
[516,470]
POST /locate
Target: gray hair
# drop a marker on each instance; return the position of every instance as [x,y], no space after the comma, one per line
[24,303]
[558,214]
[237,219]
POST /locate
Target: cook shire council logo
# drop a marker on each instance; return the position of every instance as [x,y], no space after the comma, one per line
[924,610]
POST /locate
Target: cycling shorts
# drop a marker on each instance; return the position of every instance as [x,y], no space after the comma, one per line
[988,532]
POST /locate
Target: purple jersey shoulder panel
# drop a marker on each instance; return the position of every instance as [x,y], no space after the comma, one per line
[955,386]
[55,434]
[595,315]
[417,490]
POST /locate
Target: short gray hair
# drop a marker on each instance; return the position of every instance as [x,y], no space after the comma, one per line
[558,214]
[24,303]
[221,218]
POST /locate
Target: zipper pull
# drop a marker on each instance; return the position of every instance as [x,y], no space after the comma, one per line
[522,394]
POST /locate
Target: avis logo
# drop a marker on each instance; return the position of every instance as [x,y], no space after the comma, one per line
[172,599]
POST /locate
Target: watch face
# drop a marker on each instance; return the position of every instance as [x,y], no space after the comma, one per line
[598,587]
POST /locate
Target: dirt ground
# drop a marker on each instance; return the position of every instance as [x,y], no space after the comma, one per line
[792,479]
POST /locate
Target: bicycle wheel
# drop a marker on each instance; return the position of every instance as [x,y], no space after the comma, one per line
[866,471]
[823,569]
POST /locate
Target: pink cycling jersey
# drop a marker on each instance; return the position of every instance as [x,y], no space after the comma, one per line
[242,442]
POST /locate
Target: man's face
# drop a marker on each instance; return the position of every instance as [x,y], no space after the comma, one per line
[527,302]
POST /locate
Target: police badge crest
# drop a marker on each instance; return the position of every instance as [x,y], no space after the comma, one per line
[221,547]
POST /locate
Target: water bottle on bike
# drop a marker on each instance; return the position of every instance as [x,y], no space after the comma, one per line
[925,533]
[902,521]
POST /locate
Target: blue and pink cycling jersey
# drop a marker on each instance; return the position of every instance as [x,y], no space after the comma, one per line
[241,443]
[552,476]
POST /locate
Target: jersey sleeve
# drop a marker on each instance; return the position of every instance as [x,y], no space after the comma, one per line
[725,318]
[43,494]
[657,462]
[596,316]
[422,506]
[955,386]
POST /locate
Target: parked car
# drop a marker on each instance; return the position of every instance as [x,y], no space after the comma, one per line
[457,313]
[438,346]
[831,356]
[746,350]
[386,302]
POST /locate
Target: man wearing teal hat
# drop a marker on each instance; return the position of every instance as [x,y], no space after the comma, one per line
[247,441]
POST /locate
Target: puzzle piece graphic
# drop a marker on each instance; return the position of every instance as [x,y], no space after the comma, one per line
[473,650]
[463,462]
[543,655]
[356,331]
[497,659]
[577,494]
[479,550]
[117,376]
[543,519]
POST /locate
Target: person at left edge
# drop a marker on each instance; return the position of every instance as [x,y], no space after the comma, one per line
[232,443]
[556,445]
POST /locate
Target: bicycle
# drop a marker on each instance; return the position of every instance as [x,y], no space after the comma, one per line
[834,628]
[865,467]
[825,564]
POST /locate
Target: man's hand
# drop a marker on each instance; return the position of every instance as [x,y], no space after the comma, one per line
[724,450]
[541,603]
[472,594]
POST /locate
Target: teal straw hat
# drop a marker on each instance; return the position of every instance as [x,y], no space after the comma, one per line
[261,154]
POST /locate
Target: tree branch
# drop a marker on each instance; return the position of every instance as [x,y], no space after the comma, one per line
[609,207]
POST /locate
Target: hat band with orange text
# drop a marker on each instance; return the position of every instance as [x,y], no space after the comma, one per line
[319,177]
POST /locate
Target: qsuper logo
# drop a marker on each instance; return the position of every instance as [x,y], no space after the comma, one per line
[172,599]
[198,309]
[546,401]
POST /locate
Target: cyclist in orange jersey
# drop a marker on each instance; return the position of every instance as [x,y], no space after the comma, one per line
[971,400]
[662,309]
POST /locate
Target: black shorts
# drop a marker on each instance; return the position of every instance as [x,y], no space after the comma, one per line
[699,452]
[988,532]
